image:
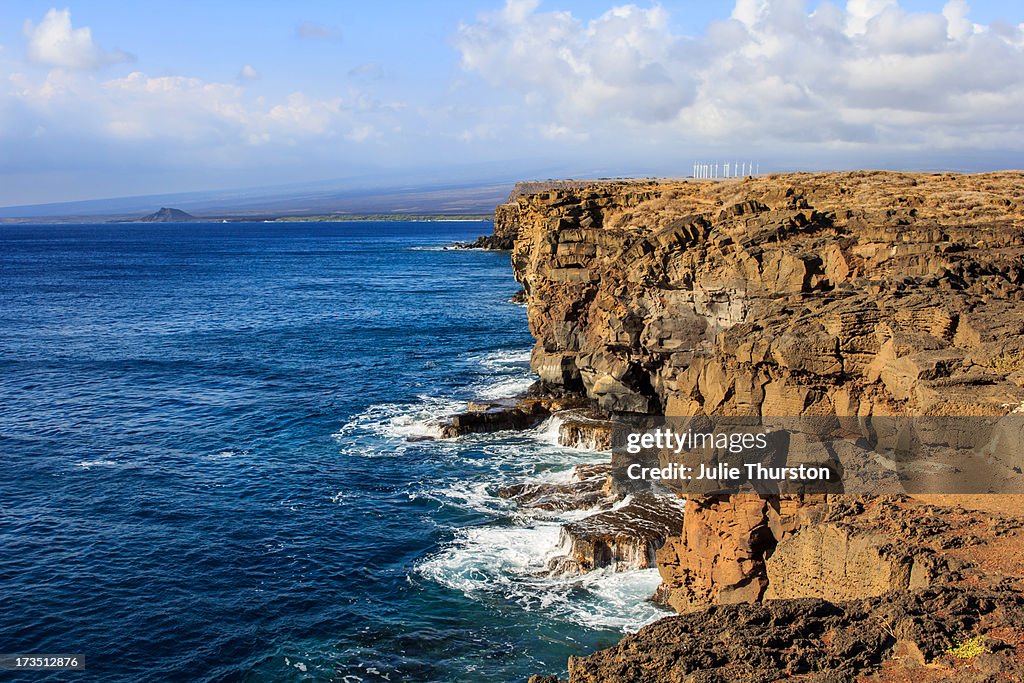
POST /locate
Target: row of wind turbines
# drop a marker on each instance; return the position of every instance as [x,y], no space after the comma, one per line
[738,169]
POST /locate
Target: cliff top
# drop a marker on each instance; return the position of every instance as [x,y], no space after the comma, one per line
[849,293]
[949,198]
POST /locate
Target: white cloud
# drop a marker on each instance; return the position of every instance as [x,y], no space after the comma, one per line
[859,13]
[310,30]
[481,132]
[189,112]
[867,73]
[248,72]
[959,26]
[554,131]
[54,42]
[368,71]
[625,64]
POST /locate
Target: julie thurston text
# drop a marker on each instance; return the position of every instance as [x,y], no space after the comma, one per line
[725,472]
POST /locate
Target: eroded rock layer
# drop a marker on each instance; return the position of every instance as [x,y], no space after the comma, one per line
[850,294]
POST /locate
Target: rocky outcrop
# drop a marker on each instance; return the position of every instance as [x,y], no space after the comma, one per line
[917,636]
[587,490]
[625,538]
[850,294]
[589,430]
[506,216]
[509,414]
[484,418]
[836,562]
[745,548]
[720,555]
[506,229]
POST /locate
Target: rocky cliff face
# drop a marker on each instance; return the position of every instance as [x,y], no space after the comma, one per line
[853,294]
[849,294]
[506,227]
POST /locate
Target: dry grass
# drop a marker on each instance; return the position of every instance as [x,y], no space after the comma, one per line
[881,197]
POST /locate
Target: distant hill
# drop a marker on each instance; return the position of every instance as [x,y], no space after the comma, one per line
[166,215]
[267,203]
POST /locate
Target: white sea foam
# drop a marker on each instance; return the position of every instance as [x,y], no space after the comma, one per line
[502,360]
[493,558]
[548,430]
[89,464]
[509,563]
[397,420]
[474,496]
[509,374]
[505,387]
[227,453]
[617,599]
[508,558]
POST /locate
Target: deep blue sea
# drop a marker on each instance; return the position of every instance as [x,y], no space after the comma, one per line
[206,472]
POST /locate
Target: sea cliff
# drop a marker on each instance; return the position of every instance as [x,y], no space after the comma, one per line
[846,294]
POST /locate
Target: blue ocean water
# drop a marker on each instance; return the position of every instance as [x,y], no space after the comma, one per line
[206,472]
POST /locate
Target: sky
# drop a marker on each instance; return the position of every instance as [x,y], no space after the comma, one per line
[107,99]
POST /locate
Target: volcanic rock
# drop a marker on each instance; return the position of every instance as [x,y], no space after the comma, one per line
[588,489]
[847,296]
[898,636]
[625,538]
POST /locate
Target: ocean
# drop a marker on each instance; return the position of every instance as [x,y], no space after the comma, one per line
[207,472]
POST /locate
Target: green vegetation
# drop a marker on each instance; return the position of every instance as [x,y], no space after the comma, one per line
[969,648]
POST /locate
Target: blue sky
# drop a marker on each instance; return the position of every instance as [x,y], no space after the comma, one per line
[103,99]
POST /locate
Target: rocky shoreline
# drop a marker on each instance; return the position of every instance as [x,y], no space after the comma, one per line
[623,538]
[849,295]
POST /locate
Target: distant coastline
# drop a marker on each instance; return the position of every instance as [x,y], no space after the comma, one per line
[331,218]
[340,218]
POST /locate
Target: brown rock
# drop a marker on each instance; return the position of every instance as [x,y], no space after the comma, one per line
[826,287]
[900,636]
[624,538]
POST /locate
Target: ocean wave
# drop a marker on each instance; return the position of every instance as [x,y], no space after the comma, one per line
[402,420]
[508,563]
[506,559]
[548,431]
[474,496]
[226,453]
[502,359]
[506,387]
[508,374]
[89,464]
